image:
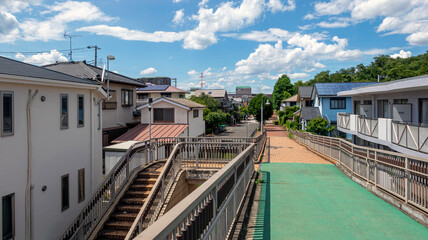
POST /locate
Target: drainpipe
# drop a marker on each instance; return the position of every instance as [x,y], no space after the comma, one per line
[91,129]
[28,223]
[188,126]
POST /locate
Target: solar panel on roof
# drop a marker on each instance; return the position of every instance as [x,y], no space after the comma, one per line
[155,88]
[333,88]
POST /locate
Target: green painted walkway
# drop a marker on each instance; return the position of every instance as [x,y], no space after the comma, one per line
[317,201]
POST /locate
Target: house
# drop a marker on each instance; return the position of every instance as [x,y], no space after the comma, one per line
[390,115]
[219,94]
[170,117]
[119,110]
[156,80]
[289,102]
[51,148]
[304,99]
[304,96]
[158,91]
[324,96]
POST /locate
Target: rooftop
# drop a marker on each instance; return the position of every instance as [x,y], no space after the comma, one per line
[305,91]
[160,88]
[141,132]
[17,68]
[291,99]
[186,103]
[309,113]
[215,93]
[243,87]
[331,89]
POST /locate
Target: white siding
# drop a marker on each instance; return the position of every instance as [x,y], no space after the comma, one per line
[121,114]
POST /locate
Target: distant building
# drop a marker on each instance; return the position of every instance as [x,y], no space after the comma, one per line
[289,102]
[156,80]
[158,91]
[219,94]
[243,90]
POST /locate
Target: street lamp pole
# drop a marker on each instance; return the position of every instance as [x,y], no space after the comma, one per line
[150,128]
[109,58]
[267,104]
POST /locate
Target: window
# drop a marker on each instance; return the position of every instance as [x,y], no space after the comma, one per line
[110,103]
[401,101]
[6,113]
[65,194]
[423,110]
[64,111]
[382,109]
[367,102]
[127,98]
[8,216]
[81,184]
[181,96]
[166,95]
[143,96]
[195,113]
[80,111]
[163,115]
[337,103]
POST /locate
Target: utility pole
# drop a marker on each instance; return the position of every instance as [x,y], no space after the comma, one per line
[202,80]
[70,54]
[96,49]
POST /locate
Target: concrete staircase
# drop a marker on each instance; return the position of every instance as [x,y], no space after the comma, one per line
[125,212]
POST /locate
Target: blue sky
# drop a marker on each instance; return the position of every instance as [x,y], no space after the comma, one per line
[246,42]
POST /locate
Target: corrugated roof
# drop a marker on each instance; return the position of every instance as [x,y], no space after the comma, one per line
[17,68]
[331,89]
[141,132]
[83,70]
[309,113]
[305,91]
[215,93]
[291,99]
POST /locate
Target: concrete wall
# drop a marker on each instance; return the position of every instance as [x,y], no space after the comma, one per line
[196,125]
[182,189]
[121,114]
[54,152]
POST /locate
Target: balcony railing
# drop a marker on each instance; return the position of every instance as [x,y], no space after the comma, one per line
[401,175]
[343,120]
[367,126]
[410,136]
[210,210]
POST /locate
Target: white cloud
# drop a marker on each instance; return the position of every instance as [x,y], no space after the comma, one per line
[270,35]
[192,73]
[402,54]
[224,68]
[179,17]
[8,27]
[266,88]
[42,58]
[277,5]
[148,71]
[298,75]
[176,1]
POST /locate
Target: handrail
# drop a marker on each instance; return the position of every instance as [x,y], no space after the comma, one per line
[403,176]
[195,215]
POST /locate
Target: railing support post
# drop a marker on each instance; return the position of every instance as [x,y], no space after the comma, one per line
[112,188]
[407,180]
[375,170]
[197,154]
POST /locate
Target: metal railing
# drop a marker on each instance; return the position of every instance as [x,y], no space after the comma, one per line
[403,176]
[367,126]
[209,211]
[343,120]
[414,137]
[136,157]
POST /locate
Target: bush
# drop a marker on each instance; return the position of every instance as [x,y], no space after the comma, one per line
[319,126]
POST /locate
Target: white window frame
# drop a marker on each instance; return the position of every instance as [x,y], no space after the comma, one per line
[12,196]
[2,93]
[60,111]
[83,110]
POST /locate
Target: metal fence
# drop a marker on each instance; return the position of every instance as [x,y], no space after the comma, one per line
[403,176]
[410,136]
[209,211]
[367,126]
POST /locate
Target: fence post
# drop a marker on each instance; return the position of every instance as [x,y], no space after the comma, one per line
[407,180]
[368,165]
[127,166]
[375,166]
[197,155]
[112,188]
[269,150]
[352,159]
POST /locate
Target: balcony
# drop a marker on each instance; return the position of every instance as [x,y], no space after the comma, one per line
[402,137]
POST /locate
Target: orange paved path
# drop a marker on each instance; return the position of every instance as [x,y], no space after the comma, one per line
[285,150]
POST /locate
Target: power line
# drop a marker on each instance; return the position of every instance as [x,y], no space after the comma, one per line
[36,52]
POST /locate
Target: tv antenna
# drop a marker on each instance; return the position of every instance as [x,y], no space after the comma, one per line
[202,80]
[70,54]
[96,49]
[175,81]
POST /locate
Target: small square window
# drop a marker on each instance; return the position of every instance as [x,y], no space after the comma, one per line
[64,111]
[7,114]
[80,111]
[8,216]
[65,193]
[195,113]
[127,99]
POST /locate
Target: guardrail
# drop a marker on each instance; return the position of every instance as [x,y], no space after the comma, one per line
[403,176]
[209,211]
[367,126]
[410,136]
[343,120]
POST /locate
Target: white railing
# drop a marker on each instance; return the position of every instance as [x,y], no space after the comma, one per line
[410,136]
[367,126]
[343,120]
[210,210]
[403,176]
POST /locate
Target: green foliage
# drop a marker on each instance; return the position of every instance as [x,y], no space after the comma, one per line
[255,105]
[211,103]
[286,95]
[393,68]
[286,114]
[319,126]
[293,124]
[282,86]
[214,119]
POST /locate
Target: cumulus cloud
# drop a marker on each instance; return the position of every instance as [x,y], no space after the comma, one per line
[402,54]
[176,1]
[148,71]
[8,27]
[297,75]
[42,58]
[277,5]
[178,17]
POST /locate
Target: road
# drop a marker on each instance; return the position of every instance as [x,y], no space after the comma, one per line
[239,130]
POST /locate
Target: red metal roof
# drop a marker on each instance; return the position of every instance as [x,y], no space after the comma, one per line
[141,132]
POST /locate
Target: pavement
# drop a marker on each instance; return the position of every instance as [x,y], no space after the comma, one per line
[239,130]
[305,197]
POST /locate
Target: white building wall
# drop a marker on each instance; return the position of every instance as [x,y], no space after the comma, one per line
[122,114]
[196,125]
[54,152]
[180,114]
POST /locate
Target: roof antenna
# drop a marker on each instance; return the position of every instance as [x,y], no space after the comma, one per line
[70,54]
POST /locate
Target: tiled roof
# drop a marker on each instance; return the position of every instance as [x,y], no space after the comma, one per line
[331,89]
[309,113]
[174,89]
[141,132]
[291,99]
[187,102]
[159,88]
[83,70]
[17,68]
[215,93]
[305,91]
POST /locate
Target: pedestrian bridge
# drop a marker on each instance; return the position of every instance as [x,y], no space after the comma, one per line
[297,200]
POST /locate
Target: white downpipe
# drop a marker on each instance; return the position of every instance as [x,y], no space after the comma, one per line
[28,223]
[92,139]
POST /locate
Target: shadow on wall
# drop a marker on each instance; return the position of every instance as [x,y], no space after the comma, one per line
[262,229]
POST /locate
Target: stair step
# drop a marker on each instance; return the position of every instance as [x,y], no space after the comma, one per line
[133,200]
[129,208]
[119,225]
[112,234]
[148,174]
[141,187]
[145,180]
[124,216]
[137,194]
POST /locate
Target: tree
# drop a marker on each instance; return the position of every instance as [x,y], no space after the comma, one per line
[255,106]
[319,126]
[210,102]
[281,86]
[215,119]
